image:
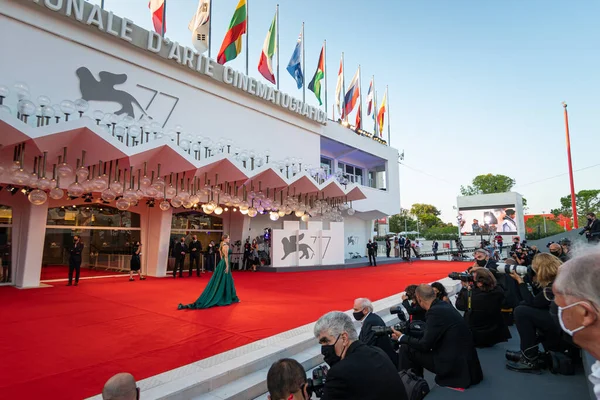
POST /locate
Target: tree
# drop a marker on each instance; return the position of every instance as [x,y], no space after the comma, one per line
[586,201]
[486,184]
[426,214]
[402,222]
[535,227]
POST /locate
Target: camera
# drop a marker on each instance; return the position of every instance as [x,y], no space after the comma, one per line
[316,384]
[461,276]
[550,243]
[401,326]
[518,269]
[397,310]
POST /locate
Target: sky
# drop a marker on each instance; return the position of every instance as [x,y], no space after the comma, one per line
[475,86]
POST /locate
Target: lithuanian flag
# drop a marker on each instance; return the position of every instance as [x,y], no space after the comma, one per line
[315,85]
[232,44]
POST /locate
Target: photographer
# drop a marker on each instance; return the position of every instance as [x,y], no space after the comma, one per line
[592,229]
[481,300]
[533,315]
[557,251]
[357,371]
[511,290]
[286,380]
[446,347]
[440,292]
[411,306]
[363,312]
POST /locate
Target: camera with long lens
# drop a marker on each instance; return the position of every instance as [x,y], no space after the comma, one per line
[316,384]
[461,276]
[521,270]
[402,326]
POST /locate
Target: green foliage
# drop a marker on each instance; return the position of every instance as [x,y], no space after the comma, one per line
[398,222]
[441,233]
[426,214]
[586,201]
[486,184]
[536,224]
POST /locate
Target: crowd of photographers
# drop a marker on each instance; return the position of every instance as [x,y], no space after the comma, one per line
[552,304]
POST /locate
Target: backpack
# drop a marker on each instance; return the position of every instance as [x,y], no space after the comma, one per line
[561,364]
[415,386]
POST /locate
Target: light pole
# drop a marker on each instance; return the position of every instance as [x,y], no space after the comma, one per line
[544,215]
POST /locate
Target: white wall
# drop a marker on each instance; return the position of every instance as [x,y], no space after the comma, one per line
[356,235]
[295,246]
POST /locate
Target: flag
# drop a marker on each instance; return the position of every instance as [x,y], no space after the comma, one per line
[265,64]
[199,25]
[315,85]
[370,100]
[232,43]
[358,120]
[339,87]
[352,94]
[157,9]
[381,114]
[295,66]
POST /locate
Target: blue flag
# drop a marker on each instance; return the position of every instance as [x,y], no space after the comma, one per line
[295,67]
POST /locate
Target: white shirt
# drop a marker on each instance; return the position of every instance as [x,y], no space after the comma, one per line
[595,378]
[362,321]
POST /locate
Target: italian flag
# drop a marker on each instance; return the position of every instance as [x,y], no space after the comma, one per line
[315,85]
[265,64]
[232,44]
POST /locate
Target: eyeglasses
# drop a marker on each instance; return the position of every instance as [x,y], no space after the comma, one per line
[548,294]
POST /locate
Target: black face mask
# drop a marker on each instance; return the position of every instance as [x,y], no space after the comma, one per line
[328,352]
[358,315]
[589,220]
[482,263]
[556,253]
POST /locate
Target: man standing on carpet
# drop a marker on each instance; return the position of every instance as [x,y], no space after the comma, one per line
[75,260]
[372,252]
[195,249]
[179,253]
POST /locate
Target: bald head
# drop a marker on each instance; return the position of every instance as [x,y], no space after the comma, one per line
[120,387]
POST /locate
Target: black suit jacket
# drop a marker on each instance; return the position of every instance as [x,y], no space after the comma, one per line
[75,251]
[195,245]
[365,373]
[367,336]
[448,338]
[485,316]
[415,311]
[180,247]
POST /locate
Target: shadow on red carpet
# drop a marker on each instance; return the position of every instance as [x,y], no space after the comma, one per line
[69,340]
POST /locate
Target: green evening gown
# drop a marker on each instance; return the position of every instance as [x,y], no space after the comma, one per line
[220,290]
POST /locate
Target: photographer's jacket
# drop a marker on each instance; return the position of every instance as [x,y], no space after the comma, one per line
[367,336]
[448,339]
[365,373]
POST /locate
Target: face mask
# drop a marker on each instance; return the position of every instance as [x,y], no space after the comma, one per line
[482,263]
[562,324]
[555,253]
[358,315]
[328,351]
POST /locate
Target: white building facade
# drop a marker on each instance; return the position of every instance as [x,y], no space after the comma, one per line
[156,110]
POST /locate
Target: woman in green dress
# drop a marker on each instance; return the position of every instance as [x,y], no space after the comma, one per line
[220,290]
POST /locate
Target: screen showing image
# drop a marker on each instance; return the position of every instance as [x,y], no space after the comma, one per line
[488,220]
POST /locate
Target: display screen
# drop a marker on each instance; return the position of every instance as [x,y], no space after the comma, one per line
[488,220]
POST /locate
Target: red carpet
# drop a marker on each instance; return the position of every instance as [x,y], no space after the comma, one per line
[51,272]
[65,342]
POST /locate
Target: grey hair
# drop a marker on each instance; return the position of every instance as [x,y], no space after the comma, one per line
[335,323]
[580,277]
[365,303]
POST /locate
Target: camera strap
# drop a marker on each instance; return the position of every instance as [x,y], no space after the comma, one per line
[469,300]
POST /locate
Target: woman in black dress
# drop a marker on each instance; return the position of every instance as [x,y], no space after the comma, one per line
[136,264]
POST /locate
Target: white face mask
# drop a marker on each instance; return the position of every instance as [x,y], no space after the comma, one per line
[562,324]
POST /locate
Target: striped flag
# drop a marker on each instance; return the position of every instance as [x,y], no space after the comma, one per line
[370,100]
[295,65]
[352,94]
[232,43]
[157,9]
[315,85]
[381,114]
[265,64]
[339,87]
[358,119]
[200,26]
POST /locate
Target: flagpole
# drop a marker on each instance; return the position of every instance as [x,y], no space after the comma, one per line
[387,100]
[325,71]
[164,18]
[303,69]
[247,33]
[374,104]
[277,45]
[360,94]
[343,116]
[209,26]
[102,4]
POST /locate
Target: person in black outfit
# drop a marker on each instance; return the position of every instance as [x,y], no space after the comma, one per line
[407,249]
[446,347]
[434,247]
[357,371]
[75,260]
[247,255]
[363,312]
[210,256]
[179,252]
[533,316]
[510,287]
[286,380]
[592,229]
[388,247]
[414,310]
[135,265]
[557,251]
[482,304]
[195,249]
[372,251]
[440,292]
